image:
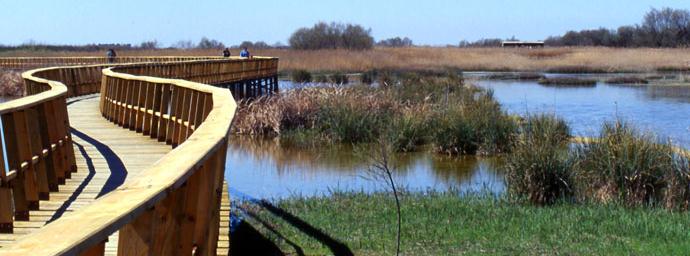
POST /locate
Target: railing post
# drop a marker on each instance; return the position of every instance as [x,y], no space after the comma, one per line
[50,137]
[37,163]
[25,157]
[6,205]
[21,204]
[156,231]
[6,220]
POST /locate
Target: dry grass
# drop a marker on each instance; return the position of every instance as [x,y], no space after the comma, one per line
[11,83]
[589,59]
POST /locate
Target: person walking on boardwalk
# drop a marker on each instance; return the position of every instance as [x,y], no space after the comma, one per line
[226,53]
[245,53]
[111,55]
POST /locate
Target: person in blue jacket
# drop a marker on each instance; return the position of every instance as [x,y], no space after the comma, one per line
[245,53]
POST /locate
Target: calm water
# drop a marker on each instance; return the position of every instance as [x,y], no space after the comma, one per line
[664,110]
[266,169]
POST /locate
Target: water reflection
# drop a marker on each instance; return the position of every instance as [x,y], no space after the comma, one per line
[662,109]
[267,169]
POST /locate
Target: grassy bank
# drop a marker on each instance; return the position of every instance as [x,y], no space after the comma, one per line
[445,224]
[570,60]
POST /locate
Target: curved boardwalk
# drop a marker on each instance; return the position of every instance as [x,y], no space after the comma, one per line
[107,156]
[122,159]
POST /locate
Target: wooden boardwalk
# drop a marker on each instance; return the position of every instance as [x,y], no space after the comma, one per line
[135,170]
[107,155]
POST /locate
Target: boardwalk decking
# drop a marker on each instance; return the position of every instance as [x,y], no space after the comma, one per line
[107,156]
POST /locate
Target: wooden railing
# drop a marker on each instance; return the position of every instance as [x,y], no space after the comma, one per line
[173,206]
[38,146]
[37,62]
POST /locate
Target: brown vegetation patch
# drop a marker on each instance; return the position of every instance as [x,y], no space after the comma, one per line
[567,81]
[570,60]
[11,83]
[627,80]
[546,53]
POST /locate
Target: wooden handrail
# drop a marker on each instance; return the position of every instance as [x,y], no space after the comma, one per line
[35,62]
[37,144]
[179,195]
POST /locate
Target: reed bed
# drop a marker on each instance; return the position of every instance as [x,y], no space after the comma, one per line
[539,167]
[561,60]
[630,167]
[410,110]
[620,166]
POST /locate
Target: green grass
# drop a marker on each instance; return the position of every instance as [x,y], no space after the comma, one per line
[445,224]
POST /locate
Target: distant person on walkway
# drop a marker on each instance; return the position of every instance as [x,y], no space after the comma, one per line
[245,53]
[226,53]
[111,55]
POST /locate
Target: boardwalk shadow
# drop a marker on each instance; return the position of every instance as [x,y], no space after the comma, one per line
[336,247]
[92,171]
[250,235]
[118,171]
[248,241]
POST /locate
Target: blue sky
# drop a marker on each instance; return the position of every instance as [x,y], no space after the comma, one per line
[426,22]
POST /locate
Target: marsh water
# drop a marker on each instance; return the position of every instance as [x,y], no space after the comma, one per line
[267,169]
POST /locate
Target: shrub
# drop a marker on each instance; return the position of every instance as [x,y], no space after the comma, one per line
[539,168]
[546,127]
[385,79]
[454,134]
[494,127]
[11,83]
[301,76]
[677,191]
[345,121]
[368,77]
[623,165]
[409,130]
[338,78]
[626,80]
[321,79]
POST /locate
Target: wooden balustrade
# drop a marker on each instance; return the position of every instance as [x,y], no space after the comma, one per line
[38,148]
[170,208]
[37,62]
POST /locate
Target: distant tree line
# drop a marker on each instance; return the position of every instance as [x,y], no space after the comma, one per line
[665,27]
[490,42]
[395,42]
[332,36]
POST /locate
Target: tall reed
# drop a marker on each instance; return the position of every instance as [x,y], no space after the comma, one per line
[627,166]
[539,168]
